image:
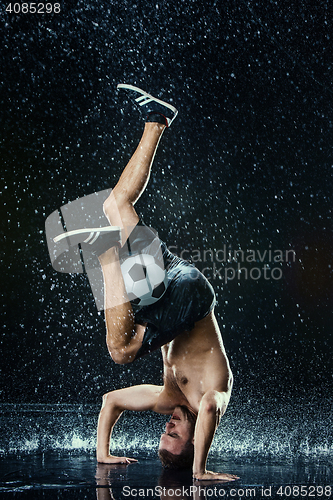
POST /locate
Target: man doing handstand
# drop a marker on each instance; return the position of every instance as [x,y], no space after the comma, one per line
[197,379]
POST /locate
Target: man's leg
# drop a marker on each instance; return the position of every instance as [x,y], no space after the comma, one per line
[123,337]
[119,207]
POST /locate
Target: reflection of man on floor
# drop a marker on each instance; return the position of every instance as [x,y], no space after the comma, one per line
[197,379]
[171,485]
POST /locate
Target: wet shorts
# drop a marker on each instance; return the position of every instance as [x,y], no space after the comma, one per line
[189,297]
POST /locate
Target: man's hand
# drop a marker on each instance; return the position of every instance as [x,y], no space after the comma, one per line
[112,459]
[214,476]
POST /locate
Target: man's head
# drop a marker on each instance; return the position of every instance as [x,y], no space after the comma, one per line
[176,450]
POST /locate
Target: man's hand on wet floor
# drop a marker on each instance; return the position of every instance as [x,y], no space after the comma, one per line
[214,476]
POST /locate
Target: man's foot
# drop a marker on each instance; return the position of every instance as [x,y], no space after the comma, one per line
[96,241]
[154,109]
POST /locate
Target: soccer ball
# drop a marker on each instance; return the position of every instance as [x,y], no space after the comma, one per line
[145,280]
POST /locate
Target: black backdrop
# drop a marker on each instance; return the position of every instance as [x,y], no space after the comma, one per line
[247,164]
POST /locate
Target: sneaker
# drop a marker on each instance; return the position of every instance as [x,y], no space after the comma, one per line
[96,241]
[150,105]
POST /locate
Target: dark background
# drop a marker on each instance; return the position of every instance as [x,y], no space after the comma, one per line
[248,163]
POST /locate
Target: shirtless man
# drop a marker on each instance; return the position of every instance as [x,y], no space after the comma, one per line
[197,379]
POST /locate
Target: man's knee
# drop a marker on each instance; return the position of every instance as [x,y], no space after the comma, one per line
[121,356]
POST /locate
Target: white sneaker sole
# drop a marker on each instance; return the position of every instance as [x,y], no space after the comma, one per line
[145,98]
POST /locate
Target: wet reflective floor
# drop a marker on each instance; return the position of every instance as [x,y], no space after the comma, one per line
[48,451]
[77,475]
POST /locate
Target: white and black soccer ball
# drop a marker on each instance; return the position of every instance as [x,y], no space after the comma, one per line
[145,280]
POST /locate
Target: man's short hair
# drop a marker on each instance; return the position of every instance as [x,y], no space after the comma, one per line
[185,459]
[182,461]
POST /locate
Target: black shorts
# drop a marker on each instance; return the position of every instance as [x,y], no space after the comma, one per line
[189,297]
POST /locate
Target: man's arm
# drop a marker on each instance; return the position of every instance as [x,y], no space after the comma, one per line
[212,407]
[136,398]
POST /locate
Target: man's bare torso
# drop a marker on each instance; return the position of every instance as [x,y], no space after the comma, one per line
[195,362]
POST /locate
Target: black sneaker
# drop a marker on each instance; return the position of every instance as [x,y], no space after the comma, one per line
[151,105]
[96,241]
